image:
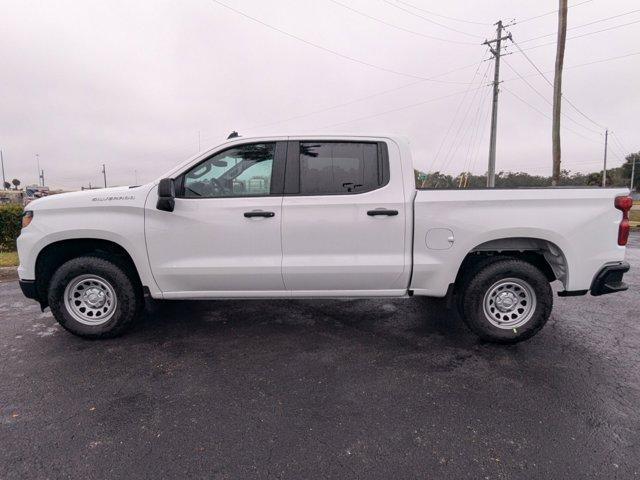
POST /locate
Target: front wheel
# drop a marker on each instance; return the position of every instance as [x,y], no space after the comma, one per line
[94,298]
[506,300]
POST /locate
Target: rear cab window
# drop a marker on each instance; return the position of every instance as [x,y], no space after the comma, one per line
[335,167]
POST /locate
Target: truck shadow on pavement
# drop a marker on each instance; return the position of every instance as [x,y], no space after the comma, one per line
[409,321]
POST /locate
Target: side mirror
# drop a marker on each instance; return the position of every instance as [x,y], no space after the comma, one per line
[166,195]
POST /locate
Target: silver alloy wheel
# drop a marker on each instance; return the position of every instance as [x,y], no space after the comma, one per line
[90,299]
[509,303]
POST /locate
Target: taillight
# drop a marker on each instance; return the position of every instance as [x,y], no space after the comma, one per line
[624,204]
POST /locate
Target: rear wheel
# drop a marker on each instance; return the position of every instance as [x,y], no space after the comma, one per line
[506,300]
[94,298]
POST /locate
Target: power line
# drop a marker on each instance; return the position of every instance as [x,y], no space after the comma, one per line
[430,21]
[446,135]
[451,153]
[328,50]
[474,128]
[455,143]
[614,149]
[582,26]
[531,62]
[579,65]
[551,12]
[384,22]
[586,34]
[606,59]
[546,100]
[617,145]
[360,99]
[383,92]
[548,117]
[481,138]
[527,82]
[474,134]
[573,105]
[626,156]
[383,68]
[601,60]
[619,142]
[485,24]
[564,97]
[460,92]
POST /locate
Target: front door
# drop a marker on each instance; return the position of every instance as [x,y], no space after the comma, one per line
[223,237]
[344,229]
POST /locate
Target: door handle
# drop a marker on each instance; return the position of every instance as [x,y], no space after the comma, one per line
[259,213]
[382,211]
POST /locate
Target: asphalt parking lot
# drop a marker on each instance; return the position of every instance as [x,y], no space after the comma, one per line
[322,389]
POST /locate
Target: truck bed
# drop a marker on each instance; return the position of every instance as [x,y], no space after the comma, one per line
[576,228]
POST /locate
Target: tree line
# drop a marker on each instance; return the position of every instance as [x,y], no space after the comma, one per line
[616,177]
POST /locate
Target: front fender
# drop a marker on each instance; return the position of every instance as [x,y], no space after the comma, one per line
[123,226]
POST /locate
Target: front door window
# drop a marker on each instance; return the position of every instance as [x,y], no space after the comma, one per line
[242,171]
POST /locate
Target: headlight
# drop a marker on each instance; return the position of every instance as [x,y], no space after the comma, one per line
[27,216]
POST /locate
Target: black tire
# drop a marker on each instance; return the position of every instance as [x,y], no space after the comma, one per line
[129,300]
[491,273]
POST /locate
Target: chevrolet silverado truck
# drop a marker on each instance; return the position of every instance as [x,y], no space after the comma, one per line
[319,216]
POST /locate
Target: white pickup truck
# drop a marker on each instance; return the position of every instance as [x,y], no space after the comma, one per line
[319,216]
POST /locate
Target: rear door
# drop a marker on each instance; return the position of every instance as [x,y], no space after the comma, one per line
[343,219]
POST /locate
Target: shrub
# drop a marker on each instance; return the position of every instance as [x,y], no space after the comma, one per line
[10,223]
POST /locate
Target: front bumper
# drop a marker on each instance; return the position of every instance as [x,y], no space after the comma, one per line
[28,288]
[609,279]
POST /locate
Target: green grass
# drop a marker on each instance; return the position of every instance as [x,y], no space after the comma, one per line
[9,259]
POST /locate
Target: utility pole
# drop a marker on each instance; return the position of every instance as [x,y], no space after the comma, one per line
[491,173]
[39,171]
[633,172]
[557,92]
[104,175]
[604,169]
[42,178]
[5,181]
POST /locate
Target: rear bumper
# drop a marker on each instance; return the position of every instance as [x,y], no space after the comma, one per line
[28,288]
[609,279]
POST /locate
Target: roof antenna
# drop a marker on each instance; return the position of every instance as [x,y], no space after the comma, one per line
[233,134]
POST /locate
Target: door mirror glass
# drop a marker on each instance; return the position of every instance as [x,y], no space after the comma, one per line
[166,195]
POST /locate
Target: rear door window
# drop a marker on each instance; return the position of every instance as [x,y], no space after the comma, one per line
[330,168]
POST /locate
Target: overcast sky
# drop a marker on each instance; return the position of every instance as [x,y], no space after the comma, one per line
[133,84]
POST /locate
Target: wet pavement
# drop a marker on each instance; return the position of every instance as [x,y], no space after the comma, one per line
[322,389]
